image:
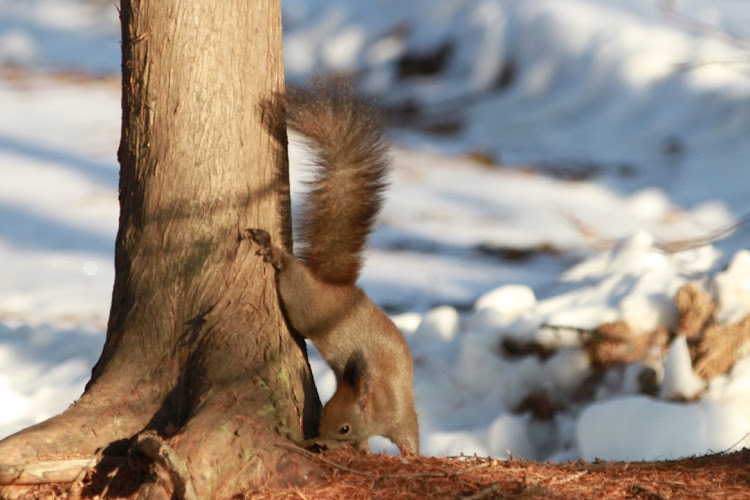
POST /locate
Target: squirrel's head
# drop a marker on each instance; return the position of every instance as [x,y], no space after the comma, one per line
[348,415]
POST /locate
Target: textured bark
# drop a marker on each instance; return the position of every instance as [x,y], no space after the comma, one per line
[197,349]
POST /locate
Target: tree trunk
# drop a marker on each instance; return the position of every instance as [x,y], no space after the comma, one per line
[197,350]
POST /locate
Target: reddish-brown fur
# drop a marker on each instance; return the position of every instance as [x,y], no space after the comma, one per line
[351,158]
[368,354]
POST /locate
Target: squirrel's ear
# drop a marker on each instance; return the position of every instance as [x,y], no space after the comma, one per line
[363,391]
[355,371]
[355,376]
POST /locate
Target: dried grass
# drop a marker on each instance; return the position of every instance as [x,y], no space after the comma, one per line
[617,344]
[696,308]
[715,348]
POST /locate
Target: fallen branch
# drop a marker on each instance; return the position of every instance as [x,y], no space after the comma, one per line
[669,12]
[47,471]
[485,492]
[601,242]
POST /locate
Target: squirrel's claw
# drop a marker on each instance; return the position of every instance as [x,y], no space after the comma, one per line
[266,250]
[263,239]
[260,237]
[265,253]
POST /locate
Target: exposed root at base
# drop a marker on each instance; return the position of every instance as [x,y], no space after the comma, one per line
[165,457]
[47,471]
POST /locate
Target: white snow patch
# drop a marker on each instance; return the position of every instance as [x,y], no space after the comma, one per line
[641,428]
[440,324]
[733,289]
[508,436]
[511,301]
[679,379]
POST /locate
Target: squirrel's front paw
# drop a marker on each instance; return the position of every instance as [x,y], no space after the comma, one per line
[263,239]
[260,237]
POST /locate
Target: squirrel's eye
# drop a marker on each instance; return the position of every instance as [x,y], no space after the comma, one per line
[344,429]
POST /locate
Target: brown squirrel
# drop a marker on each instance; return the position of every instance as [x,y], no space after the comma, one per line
[365,350]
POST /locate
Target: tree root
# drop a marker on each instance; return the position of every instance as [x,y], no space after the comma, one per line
[48,471]
[62,448]
[166,458]
[220,436]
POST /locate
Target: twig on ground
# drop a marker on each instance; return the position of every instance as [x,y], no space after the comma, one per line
[724,452]
[648,492]
[484,492]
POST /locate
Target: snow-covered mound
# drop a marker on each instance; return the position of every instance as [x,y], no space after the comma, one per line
[516,378]
[581,85]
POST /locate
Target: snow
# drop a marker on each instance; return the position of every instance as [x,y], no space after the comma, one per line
[615,429]
[733,289]
[440,324]
[617,133]
[679,380]
[509,301]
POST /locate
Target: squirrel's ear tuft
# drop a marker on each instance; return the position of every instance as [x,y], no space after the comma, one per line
[355,370]
[355,376]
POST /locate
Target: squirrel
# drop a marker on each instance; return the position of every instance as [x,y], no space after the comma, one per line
[364,348]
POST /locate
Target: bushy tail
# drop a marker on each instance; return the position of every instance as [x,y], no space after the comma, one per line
[351,157]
